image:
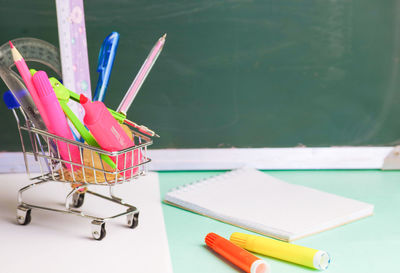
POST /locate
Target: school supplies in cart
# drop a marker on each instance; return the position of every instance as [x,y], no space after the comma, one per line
[92,172]
[56,121]
[65,94]
[63,98]
[62,159]
[256,201]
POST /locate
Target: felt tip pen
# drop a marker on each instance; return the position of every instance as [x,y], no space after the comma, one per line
[56,122]
[236,255]
[105,64]
[309,257]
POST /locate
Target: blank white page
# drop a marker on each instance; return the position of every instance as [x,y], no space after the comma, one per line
[62,243]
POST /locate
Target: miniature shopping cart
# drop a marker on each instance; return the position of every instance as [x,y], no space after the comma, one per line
[91,172]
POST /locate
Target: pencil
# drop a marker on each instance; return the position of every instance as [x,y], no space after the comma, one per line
[27,78]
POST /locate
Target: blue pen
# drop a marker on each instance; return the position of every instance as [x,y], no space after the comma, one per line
[105,64]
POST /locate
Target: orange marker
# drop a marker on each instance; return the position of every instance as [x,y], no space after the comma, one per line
[236,255]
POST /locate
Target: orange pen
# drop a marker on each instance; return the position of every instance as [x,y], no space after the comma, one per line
[236,255]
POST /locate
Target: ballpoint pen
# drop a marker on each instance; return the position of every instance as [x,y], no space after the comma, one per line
[105,64]
[141,76]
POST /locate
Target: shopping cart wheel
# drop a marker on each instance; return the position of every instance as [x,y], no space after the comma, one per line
[77,199]
[23,215]
[98,229]
[133,219]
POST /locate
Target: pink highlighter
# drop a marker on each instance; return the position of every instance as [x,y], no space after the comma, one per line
[56,121]
[109,133]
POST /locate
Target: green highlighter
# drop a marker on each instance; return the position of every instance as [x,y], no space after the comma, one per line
[63,95]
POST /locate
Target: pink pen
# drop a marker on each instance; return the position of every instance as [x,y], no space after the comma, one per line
[56,121]
[109,133]
[141,76]
[27,78]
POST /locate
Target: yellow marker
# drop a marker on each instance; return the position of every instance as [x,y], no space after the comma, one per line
[313,258]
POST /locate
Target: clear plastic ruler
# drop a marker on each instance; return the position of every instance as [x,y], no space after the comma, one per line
[73,49]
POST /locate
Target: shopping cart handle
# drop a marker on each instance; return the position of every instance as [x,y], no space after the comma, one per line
[10,101]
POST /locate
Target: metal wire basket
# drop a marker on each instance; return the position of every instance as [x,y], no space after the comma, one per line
[92,170]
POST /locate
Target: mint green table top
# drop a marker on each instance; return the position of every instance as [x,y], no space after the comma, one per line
[368,245]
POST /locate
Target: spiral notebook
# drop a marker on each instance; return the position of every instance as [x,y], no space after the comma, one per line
[256,201]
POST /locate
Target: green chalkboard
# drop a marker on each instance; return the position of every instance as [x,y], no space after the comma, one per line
[242,73]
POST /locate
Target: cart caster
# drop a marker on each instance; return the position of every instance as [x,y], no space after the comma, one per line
[23,215]
[77,199]
[133,219]
[98,229]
